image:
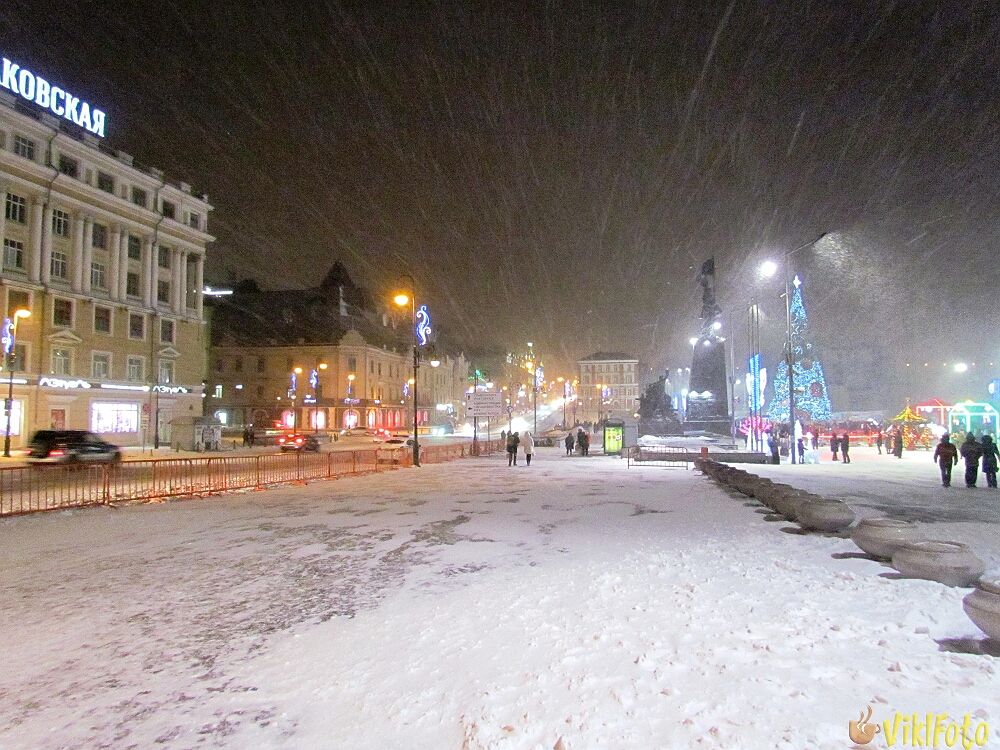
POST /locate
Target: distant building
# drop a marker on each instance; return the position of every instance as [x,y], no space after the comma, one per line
[355,362]
[109,259]
[608,388]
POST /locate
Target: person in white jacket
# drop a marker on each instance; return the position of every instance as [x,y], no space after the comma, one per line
[528,443]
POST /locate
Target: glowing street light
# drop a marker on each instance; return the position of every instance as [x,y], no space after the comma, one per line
[767,269]
[961,367]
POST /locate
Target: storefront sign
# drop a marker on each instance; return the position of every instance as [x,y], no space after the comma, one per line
[61,383]
[116,387]
[37,90]
[171,389]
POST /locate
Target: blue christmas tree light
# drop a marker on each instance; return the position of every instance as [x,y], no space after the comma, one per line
[812,398]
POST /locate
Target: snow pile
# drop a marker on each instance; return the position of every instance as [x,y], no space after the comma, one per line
[573,604]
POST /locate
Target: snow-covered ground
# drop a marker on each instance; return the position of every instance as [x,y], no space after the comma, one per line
[907,488]
[573,604]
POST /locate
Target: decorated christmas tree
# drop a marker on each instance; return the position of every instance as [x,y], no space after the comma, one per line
[812,399]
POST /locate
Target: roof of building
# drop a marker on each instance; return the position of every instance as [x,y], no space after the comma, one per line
[608,357]
[290,317]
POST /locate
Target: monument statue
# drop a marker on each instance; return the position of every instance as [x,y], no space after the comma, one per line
[656,411]
[707,407]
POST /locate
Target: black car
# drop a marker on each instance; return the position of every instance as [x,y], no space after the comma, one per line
[71,446]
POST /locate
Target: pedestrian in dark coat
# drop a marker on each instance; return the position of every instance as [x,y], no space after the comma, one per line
[802,450]
[586,443]
[569,443]
[897,443]
[581,439]
[512,443]
[834,445]
[990,459]
[879,439]
[772,443]
[845,447]
[971,451]
[946,456]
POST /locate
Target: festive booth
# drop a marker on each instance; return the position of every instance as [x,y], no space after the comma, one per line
[936,410]
[976,417]
[916,434]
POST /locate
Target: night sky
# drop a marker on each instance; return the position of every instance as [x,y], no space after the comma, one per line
[556,172]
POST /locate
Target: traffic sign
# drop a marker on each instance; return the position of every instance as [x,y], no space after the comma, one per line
[484,404]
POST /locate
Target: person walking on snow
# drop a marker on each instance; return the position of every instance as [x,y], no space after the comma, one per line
[512,441]
[529,447]
[971,451]
[879,439]
[990,459]
[834,445]
[568,442]
[772,443]
[845,446]
[581,438]
[897,443]
[945,456]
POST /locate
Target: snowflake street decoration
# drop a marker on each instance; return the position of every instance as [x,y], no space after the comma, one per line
[423,329]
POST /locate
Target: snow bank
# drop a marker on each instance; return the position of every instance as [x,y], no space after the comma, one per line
[471,606]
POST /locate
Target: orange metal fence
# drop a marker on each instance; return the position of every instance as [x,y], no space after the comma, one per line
[28,489]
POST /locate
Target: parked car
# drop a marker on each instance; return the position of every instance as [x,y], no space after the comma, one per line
[71,446]
[399,440]
[298,442]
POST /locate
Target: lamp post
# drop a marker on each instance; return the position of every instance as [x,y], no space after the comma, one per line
[768,269]
[421,330]
[9,338]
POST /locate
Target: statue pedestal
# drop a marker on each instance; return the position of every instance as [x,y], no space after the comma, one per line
[708,392]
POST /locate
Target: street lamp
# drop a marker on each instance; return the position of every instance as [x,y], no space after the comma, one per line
[768,269]
[421,330]
[9,338]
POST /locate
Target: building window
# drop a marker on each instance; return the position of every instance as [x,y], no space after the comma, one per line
[167,371]
[136,326]
[371,367]
[61,362]
[238,364]
[99,235]
[16,209]
[218,391]
[60,223]
[114,417]
[261,364]
[24,147]
[194,220]
[135,369]
[352,364]
[139,197]
[105,182]
[100,365]
[169,210]
[68,166]
[134,248]
[98,276]
[102,319]
[59,265]
[62,312]
[17,300]
[163,291]
[163,257]
[260,391]
[19,358]
[13,255]
[132,284]
[166,331]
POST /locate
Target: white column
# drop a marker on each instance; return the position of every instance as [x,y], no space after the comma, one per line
[78,271]
[175,280]
[199,280]
[149,272]
[123,263]
[3,211]
[88,251]
[184,282]
[35,240]
[46,256]
[114,265]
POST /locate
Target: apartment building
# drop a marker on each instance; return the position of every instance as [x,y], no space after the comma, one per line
[608,387]
[109,259]
[324,359]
